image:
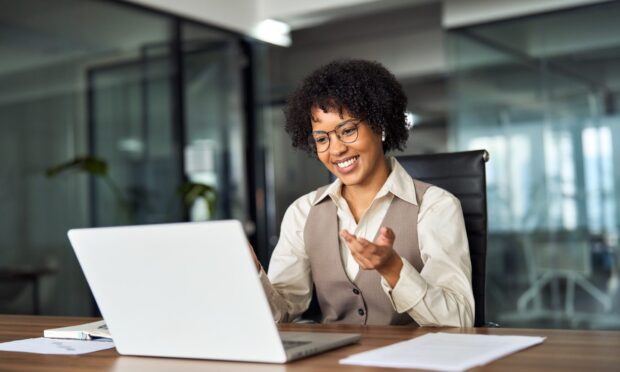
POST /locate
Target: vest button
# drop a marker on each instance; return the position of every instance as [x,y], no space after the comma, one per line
[356,291]
[360,311]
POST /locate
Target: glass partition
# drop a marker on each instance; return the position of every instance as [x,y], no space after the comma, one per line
[110,114]
[48,49]
[131,129]
[215,130]
[540,94]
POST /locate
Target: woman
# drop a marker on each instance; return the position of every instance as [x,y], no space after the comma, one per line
[378,247]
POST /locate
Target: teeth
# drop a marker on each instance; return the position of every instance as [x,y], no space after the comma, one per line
[345,164]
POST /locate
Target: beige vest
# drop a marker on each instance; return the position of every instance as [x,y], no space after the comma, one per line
[361,301]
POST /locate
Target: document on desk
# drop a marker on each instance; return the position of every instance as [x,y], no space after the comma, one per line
[44,345]
[444,351]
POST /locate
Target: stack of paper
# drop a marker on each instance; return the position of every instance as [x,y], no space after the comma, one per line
[444,351]
[87,331]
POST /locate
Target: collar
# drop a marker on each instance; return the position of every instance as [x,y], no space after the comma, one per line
[400,183]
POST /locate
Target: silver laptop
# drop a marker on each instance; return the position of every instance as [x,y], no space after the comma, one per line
[187,290]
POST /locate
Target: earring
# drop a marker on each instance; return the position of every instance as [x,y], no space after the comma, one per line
[383,135]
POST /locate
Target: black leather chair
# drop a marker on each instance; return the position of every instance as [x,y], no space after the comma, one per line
[462,174]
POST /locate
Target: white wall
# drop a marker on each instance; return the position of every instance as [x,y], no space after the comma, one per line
[287,8]
[409,42]
[243,15]
[405,55]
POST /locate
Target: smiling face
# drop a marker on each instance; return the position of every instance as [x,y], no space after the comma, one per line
[358,164]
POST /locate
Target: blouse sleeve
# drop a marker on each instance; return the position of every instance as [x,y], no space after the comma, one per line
[441,294]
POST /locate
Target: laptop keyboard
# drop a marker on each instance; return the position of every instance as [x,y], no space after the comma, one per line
[292,344]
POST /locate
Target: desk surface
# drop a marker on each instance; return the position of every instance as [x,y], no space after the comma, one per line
[563,350]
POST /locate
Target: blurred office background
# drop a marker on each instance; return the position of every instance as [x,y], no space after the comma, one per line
[110,111]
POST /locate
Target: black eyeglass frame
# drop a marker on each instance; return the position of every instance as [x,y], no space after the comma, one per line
[312,140]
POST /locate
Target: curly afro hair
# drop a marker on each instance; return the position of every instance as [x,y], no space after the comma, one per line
[364,89]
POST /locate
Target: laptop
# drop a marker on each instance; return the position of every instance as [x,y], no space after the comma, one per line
[187,290]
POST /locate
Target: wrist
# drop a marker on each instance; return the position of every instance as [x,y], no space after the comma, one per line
[391,269]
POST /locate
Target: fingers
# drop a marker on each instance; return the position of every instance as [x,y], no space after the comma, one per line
[371,255]
[364,262]
[386,237]
[346,235]
[354,242]
[361,249]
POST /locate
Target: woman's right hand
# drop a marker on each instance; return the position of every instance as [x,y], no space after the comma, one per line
[256,261]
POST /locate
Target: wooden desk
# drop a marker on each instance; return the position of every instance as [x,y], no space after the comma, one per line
[564,350]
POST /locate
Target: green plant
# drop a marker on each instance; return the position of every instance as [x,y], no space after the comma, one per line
[193,191]
[190,192]
[95,167]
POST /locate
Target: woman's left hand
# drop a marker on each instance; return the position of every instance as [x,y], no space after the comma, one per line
[377,255]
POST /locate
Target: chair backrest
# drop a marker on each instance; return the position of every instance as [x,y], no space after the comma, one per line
[462,174]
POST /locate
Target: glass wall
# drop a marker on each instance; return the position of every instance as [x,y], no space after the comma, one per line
[130,122]
[110,114]
[540,94]
[215,130]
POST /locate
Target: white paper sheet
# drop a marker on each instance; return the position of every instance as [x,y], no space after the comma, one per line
[444,351]
[44,345]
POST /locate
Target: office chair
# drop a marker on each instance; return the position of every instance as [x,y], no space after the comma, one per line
[462,174]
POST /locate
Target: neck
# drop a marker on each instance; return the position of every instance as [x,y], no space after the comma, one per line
[362,194]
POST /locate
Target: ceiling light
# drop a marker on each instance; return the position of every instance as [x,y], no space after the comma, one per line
[274,32]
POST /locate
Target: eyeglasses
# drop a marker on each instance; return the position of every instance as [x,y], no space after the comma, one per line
[346,132]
